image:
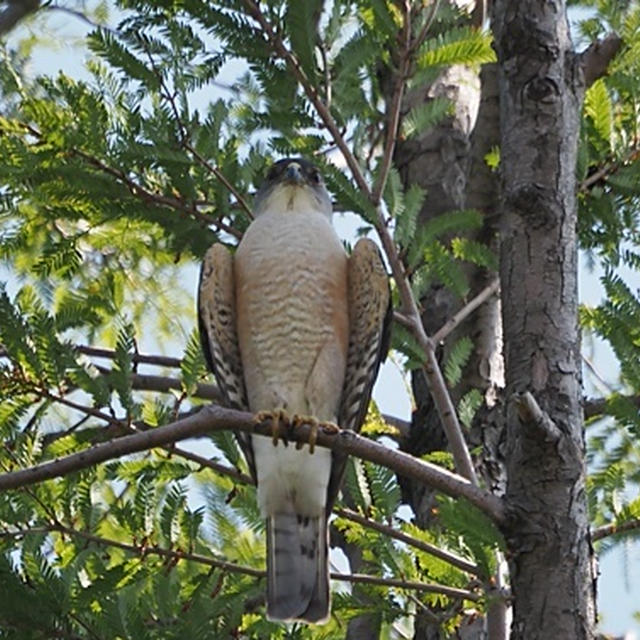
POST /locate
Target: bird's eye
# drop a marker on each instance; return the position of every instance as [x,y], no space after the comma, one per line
[314,176]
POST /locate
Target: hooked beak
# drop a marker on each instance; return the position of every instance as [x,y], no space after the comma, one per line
[294,173]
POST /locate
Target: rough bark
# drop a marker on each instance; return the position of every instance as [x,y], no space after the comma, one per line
[541,87]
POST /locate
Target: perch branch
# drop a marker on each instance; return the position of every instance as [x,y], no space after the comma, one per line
[213,418]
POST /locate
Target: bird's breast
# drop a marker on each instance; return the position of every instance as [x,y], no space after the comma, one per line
[291,288]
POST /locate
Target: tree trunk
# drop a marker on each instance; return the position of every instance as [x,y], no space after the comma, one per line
[541,88]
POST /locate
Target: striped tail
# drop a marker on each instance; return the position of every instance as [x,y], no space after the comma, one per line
[297,568]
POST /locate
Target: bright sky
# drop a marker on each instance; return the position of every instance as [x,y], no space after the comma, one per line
[619,584]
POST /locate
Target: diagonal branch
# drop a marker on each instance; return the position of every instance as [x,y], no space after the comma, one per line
[215,418]
[143,550]
[595,60]
[465,312]
[15,11]
[140,191]
[612,529]
[393,116]
[431,549]
[312,93]
[136,358]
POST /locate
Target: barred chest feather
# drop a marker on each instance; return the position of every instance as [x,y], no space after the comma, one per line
[291,284]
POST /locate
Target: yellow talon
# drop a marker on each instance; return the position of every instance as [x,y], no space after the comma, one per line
[330,427]
[276,416]
[314,423]
[297,421]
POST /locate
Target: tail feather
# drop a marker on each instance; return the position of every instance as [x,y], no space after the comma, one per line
[297,568]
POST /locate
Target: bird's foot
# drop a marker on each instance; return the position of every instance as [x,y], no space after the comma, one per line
[275,416]
[315,424]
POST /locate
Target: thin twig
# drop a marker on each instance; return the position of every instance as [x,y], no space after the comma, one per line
[136,358]
[608,170]
[122,428]
[311,91]
[598,406]
[215,418]
[142,192]
[393,119]
[607,530]
[81,16]
[431,549]
[174,554]
[466,311]
[221,178]
[435,4]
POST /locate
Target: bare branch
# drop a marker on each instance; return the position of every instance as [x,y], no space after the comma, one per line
[393,115]
[401,319]
[164,384]
[431,549]
[466,311]
[403,426]
[595,60]
[609,169]
[213,418]
[452,592]
[136,358]
[598,406]
[607,530]
[16,10]
[81,16]
[433,10]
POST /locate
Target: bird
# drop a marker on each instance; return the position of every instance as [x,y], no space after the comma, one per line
[295,329]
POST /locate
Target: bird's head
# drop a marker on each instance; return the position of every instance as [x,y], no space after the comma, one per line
[292,184]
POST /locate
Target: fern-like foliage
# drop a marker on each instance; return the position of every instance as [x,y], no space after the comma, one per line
[111,192]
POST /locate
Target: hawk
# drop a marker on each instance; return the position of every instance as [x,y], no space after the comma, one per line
[295,329]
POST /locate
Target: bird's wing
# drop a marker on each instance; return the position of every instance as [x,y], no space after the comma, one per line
[369,336]
[217,324]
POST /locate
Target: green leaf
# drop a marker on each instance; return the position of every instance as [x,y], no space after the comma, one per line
[599,108]
[301,24]
[457,358]
[458,46]
[443,266]
[492,158]
[468,407]
[441,226]
[425,115]
[406,223]
[474,252]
